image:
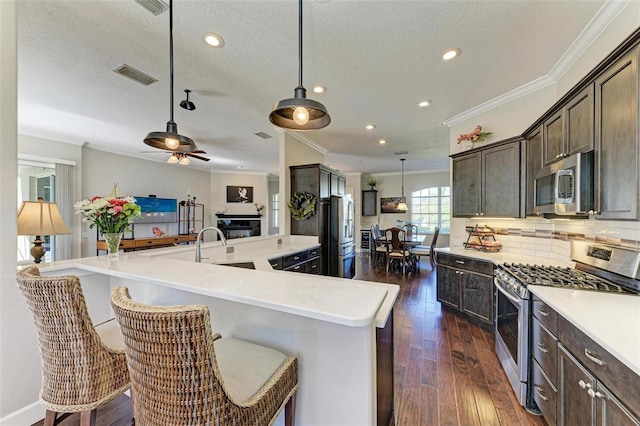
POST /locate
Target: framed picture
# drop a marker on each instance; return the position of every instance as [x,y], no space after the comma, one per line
[239,194]
[390,204]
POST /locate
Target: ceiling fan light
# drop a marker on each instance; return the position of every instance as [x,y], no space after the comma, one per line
[173,159]
[184,161]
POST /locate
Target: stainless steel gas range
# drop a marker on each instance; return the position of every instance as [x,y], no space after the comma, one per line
[598,268]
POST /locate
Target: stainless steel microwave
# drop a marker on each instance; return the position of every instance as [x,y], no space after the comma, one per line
[565,187]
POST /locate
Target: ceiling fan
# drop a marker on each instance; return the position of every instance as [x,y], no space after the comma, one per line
[181,158]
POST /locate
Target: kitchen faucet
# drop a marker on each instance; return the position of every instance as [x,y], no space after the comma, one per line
[199,240]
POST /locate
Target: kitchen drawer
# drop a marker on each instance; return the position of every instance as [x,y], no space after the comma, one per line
[171,240]
[624,382]
[313,266]
[545,314]
[462,262]
[276,263]
[293,259]
[544,394]
[313,252]
[545,350]
[150,242]
[300,267]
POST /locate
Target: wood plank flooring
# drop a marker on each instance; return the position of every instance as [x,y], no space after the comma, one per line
[446,371]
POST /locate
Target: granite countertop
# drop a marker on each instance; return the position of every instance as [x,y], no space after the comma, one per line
[351,303]
[611,320]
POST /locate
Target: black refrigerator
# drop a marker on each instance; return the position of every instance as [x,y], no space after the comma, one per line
[337,235]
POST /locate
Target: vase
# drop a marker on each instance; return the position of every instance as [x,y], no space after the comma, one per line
[113,244]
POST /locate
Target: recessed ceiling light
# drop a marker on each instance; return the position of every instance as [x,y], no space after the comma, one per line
[241,167]
[382,141]
[370,126]
[450,54]
[214,40]
[318,88]
[424,103]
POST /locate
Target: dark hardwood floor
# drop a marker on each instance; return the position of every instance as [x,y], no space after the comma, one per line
[446,370]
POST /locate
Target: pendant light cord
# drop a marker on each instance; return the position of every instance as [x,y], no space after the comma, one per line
[402,162]
[171,60]
[299,43]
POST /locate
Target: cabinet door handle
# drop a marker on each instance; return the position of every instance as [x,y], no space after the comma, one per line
[541,394]
[461,262]
[595,394]
[542,348]
[542,312]
[593,357]
[297,267]
[296,257]
[584,385]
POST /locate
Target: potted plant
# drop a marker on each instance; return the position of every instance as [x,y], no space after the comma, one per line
[372,183]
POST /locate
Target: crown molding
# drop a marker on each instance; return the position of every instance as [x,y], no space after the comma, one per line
[239,172]
[589,34]
[310,142]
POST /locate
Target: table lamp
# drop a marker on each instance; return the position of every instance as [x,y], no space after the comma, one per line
[40,218]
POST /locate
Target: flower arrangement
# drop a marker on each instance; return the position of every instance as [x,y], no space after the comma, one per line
[259,207]
[108,214]
[372,182]
[476,136]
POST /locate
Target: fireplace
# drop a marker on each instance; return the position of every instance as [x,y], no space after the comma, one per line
[239,226]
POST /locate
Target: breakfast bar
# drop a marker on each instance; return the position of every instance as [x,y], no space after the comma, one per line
[329,323]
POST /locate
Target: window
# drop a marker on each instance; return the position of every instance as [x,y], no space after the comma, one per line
[275,210]
[431,207]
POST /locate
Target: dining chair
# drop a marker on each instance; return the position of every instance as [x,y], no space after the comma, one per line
[421,250]
[183,374]
[396,249]
[380,245]
[83,367]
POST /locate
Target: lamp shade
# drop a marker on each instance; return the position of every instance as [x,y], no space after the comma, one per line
[40,218]
[402,205]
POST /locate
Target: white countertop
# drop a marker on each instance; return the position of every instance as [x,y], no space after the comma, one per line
[502,257]
[348,302]
[611,320]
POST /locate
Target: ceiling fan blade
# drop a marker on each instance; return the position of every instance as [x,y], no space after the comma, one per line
[198,151]
[198,157]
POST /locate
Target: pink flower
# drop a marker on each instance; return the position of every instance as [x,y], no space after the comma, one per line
[117,209]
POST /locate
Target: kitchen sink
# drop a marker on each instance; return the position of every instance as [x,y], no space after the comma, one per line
[245,265]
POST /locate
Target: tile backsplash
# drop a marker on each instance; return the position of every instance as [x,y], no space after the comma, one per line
[551,238]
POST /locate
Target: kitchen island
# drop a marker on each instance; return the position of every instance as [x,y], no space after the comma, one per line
[329,323]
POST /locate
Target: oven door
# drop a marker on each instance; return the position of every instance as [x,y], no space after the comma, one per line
[512,339]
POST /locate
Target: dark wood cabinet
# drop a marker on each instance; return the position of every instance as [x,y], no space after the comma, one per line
[487,182]
[466,287]
[369,202]
[534,163]
[570,129]
[574,380]
[306,261]
[617,146]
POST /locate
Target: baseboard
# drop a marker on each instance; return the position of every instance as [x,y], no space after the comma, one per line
[25,416]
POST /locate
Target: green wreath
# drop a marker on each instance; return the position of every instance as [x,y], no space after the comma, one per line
[302,205]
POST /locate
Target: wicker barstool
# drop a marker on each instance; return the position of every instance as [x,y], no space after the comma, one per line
[82,367]
[182,374]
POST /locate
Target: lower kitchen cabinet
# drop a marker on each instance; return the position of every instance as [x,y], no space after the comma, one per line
[306,261]
[574,381]
[466,285]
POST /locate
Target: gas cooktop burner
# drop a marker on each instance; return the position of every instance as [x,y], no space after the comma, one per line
[565,277]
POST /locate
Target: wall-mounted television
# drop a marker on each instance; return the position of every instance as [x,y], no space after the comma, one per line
[157,210]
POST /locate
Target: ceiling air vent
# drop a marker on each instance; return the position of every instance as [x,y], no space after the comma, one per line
[134,74]
[401,153]
[263,135]
[154,6]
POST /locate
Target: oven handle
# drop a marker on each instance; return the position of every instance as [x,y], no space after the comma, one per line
[515,300]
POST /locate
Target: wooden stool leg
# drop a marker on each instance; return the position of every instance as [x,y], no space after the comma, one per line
[50,418]
[88,417]
[290,411]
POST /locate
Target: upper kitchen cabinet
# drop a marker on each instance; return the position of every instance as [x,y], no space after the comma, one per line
[322,182]
[617,145]
[369,202]
[487,182]
[534,163]
[570,129]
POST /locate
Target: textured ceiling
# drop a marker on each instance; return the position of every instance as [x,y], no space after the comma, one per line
[377,59]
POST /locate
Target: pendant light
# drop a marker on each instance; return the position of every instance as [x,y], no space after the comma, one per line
[402,205]
[170,140]
[300,113]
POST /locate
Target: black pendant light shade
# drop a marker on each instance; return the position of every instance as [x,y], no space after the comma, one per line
[402,205]
[187,104]
[170,140]
[300,113]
